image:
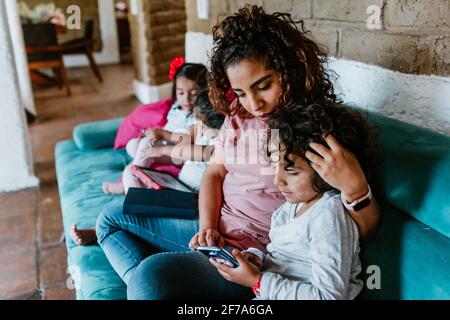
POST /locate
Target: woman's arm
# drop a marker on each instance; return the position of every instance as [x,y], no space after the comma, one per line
[340,169]
[209,205]
[210,196]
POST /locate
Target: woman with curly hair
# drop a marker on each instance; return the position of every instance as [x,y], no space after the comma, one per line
[263,62]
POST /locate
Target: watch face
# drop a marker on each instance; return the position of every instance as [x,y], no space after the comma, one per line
[362,204]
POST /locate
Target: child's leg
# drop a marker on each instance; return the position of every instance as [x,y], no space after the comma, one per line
[113,188]
[132,146]
[138,160]
[130,180]
[117,187]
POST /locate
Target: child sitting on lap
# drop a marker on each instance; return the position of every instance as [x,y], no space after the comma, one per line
[313,253]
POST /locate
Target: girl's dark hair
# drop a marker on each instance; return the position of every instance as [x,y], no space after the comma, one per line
[299,125]
[204,110]
[277,41]
[192,71]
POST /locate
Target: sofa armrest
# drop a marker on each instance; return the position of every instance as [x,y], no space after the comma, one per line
[96,135]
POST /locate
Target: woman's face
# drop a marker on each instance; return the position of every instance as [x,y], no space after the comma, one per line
[257,88]
[186,91]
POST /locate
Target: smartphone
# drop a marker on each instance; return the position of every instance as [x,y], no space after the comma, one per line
[220,255]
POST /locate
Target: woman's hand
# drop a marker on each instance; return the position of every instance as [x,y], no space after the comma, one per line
[208,237]
[339,168]
[246,274]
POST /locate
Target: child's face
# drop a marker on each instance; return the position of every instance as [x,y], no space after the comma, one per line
[295,183]
[186,91]
[257,88]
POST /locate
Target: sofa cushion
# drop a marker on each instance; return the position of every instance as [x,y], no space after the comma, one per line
[153,115]
[96,135]
[80,175]
[413,171]
[413,259]
[93,275]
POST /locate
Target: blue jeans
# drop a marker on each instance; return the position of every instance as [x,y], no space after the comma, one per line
[127,239]
[182,276]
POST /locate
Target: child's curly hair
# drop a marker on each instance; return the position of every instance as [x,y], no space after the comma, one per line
[276,40]
[300,125]
[204,110]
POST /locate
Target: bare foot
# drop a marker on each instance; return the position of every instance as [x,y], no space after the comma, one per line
[113,188]
[83,237]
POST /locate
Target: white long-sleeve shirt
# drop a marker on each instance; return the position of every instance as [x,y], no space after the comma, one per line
[313,256]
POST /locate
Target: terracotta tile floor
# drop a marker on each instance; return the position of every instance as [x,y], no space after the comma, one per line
[32,259]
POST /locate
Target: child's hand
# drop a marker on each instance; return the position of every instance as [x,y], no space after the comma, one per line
[153,135]
[339,168]
[252,258]
[154,152]
[246,274]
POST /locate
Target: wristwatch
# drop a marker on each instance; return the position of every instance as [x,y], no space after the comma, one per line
[360,203]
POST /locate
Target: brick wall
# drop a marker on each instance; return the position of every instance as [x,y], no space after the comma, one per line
[158,33]
[89,10]
[414,36]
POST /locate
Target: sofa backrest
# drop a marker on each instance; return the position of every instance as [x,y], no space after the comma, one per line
[410,255]
[412,171]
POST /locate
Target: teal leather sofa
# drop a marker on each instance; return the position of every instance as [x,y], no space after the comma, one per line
[408,259]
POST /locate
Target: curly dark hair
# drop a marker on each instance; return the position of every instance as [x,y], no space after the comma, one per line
[192,71]
[299,125]
[277,41]
[204,110]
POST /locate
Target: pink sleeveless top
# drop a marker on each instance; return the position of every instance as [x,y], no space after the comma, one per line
[249,194]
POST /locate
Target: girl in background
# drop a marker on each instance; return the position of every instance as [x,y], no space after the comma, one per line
[188,80]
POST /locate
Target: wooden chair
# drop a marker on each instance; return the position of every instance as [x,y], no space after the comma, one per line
[43,52]
[84,45]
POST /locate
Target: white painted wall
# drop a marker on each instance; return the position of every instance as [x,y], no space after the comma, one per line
[416,99]
[15,155]
[15,27]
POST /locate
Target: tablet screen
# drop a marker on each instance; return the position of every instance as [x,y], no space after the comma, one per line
[166,180]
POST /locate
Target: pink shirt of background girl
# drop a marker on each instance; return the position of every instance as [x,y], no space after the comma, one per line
[249,194]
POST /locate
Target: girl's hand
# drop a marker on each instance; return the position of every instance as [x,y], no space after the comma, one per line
[339,168]
[246,274]
[153,152]
[252,258]
[153,135]
[208,237]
